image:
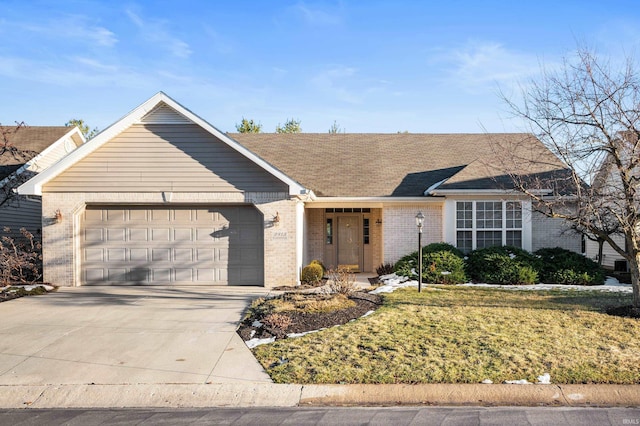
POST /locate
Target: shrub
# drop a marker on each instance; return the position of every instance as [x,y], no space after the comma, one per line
[385,269]
[317,262]
[20,258]
[435,247]
[502,265]
[342,281]
[312,273]
[561,266]
[280,321]
[440,265]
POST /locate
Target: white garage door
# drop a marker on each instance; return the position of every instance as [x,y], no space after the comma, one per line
[147,245]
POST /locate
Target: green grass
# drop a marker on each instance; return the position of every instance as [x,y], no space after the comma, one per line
[466,335]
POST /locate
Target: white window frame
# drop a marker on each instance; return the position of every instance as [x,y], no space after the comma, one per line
[525,242]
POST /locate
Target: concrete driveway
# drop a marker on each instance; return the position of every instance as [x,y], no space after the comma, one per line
[126,335]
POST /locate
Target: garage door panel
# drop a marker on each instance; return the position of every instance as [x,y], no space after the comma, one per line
[116,234]
[183,255]
[139,254]
[140,234]
[138,215]
[116,255]
[180,245]
[115,215]
[160,234]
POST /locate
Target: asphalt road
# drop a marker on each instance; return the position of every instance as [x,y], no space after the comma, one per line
[395,416]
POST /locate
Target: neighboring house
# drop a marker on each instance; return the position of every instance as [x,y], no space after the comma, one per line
[608,185]
[39,147]
[163,197]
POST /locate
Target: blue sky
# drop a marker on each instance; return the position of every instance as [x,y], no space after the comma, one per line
[372,66]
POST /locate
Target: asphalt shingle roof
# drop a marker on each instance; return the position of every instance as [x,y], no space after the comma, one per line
[30,141]
[404,164]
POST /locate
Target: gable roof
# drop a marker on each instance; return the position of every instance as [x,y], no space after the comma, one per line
[32,141]
[402,165]
[160,108]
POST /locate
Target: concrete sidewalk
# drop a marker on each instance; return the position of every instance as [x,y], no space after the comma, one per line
[276,395]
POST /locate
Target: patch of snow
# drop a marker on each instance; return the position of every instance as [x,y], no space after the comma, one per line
[294,335]
[517,382]
[256,324]
[392,282]
[366,314]
[512,256]
[487,382]
[257,342]
[619,288]
[445,273]
[253,333]
[545,379]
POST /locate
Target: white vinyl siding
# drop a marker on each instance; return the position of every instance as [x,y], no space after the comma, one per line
[171,158]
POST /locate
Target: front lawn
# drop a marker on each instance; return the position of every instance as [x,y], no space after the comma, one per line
[466,335]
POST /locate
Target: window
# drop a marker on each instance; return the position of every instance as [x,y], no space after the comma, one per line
[365,230]
[481,224]
[329,231]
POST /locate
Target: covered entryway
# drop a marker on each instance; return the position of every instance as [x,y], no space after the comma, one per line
[159,245]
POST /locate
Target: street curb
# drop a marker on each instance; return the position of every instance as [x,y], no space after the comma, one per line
[286,395]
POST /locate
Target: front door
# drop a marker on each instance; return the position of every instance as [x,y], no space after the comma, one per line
[349,242]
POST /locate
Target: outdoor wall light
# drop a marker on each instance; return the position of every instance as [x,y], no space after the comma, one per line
[419,223]
[58,216]
[378,221]
[276,219]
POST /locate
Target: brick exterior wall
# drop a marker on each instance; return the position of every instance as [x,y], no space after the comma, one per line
[400,231]
[548,232]
[61,251]
[314,235]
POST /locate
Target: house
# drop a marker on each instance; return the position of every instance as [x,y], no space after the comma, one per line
[37,147]
[163,197]
[608,187]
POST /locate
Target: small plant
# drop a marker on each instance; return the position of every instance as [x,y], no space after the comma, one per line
[277,321]
[20,258]
[503,265]
[312,274]
[317,262]
[561,266]
[385,269]
[342,281]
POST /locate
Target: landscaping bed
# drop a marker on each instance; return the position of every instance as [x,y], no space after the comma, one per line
[457,334]
[16,291]
[301,313]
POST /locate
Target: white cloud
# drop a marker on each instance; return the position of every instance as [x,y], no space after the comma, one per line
[479,66]
[154,31]
[76,27]
[335,82]
[315,15]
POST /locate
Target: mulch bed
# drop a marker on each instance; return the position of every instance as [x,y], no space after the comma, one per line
[306,321]
[625,311]
[16,291]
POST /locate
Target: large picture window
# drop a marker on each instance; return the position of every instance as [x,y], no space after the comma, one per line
[481,224]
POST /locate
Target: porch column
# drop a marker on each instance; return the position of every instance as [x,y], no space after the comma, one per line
[300,227]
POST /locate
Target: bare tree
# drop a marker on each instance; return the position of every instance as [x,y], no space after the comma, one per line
[11,158]
[587,112]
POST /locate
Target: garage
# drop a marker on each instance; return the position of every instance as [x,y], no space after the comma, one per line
[180,245]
